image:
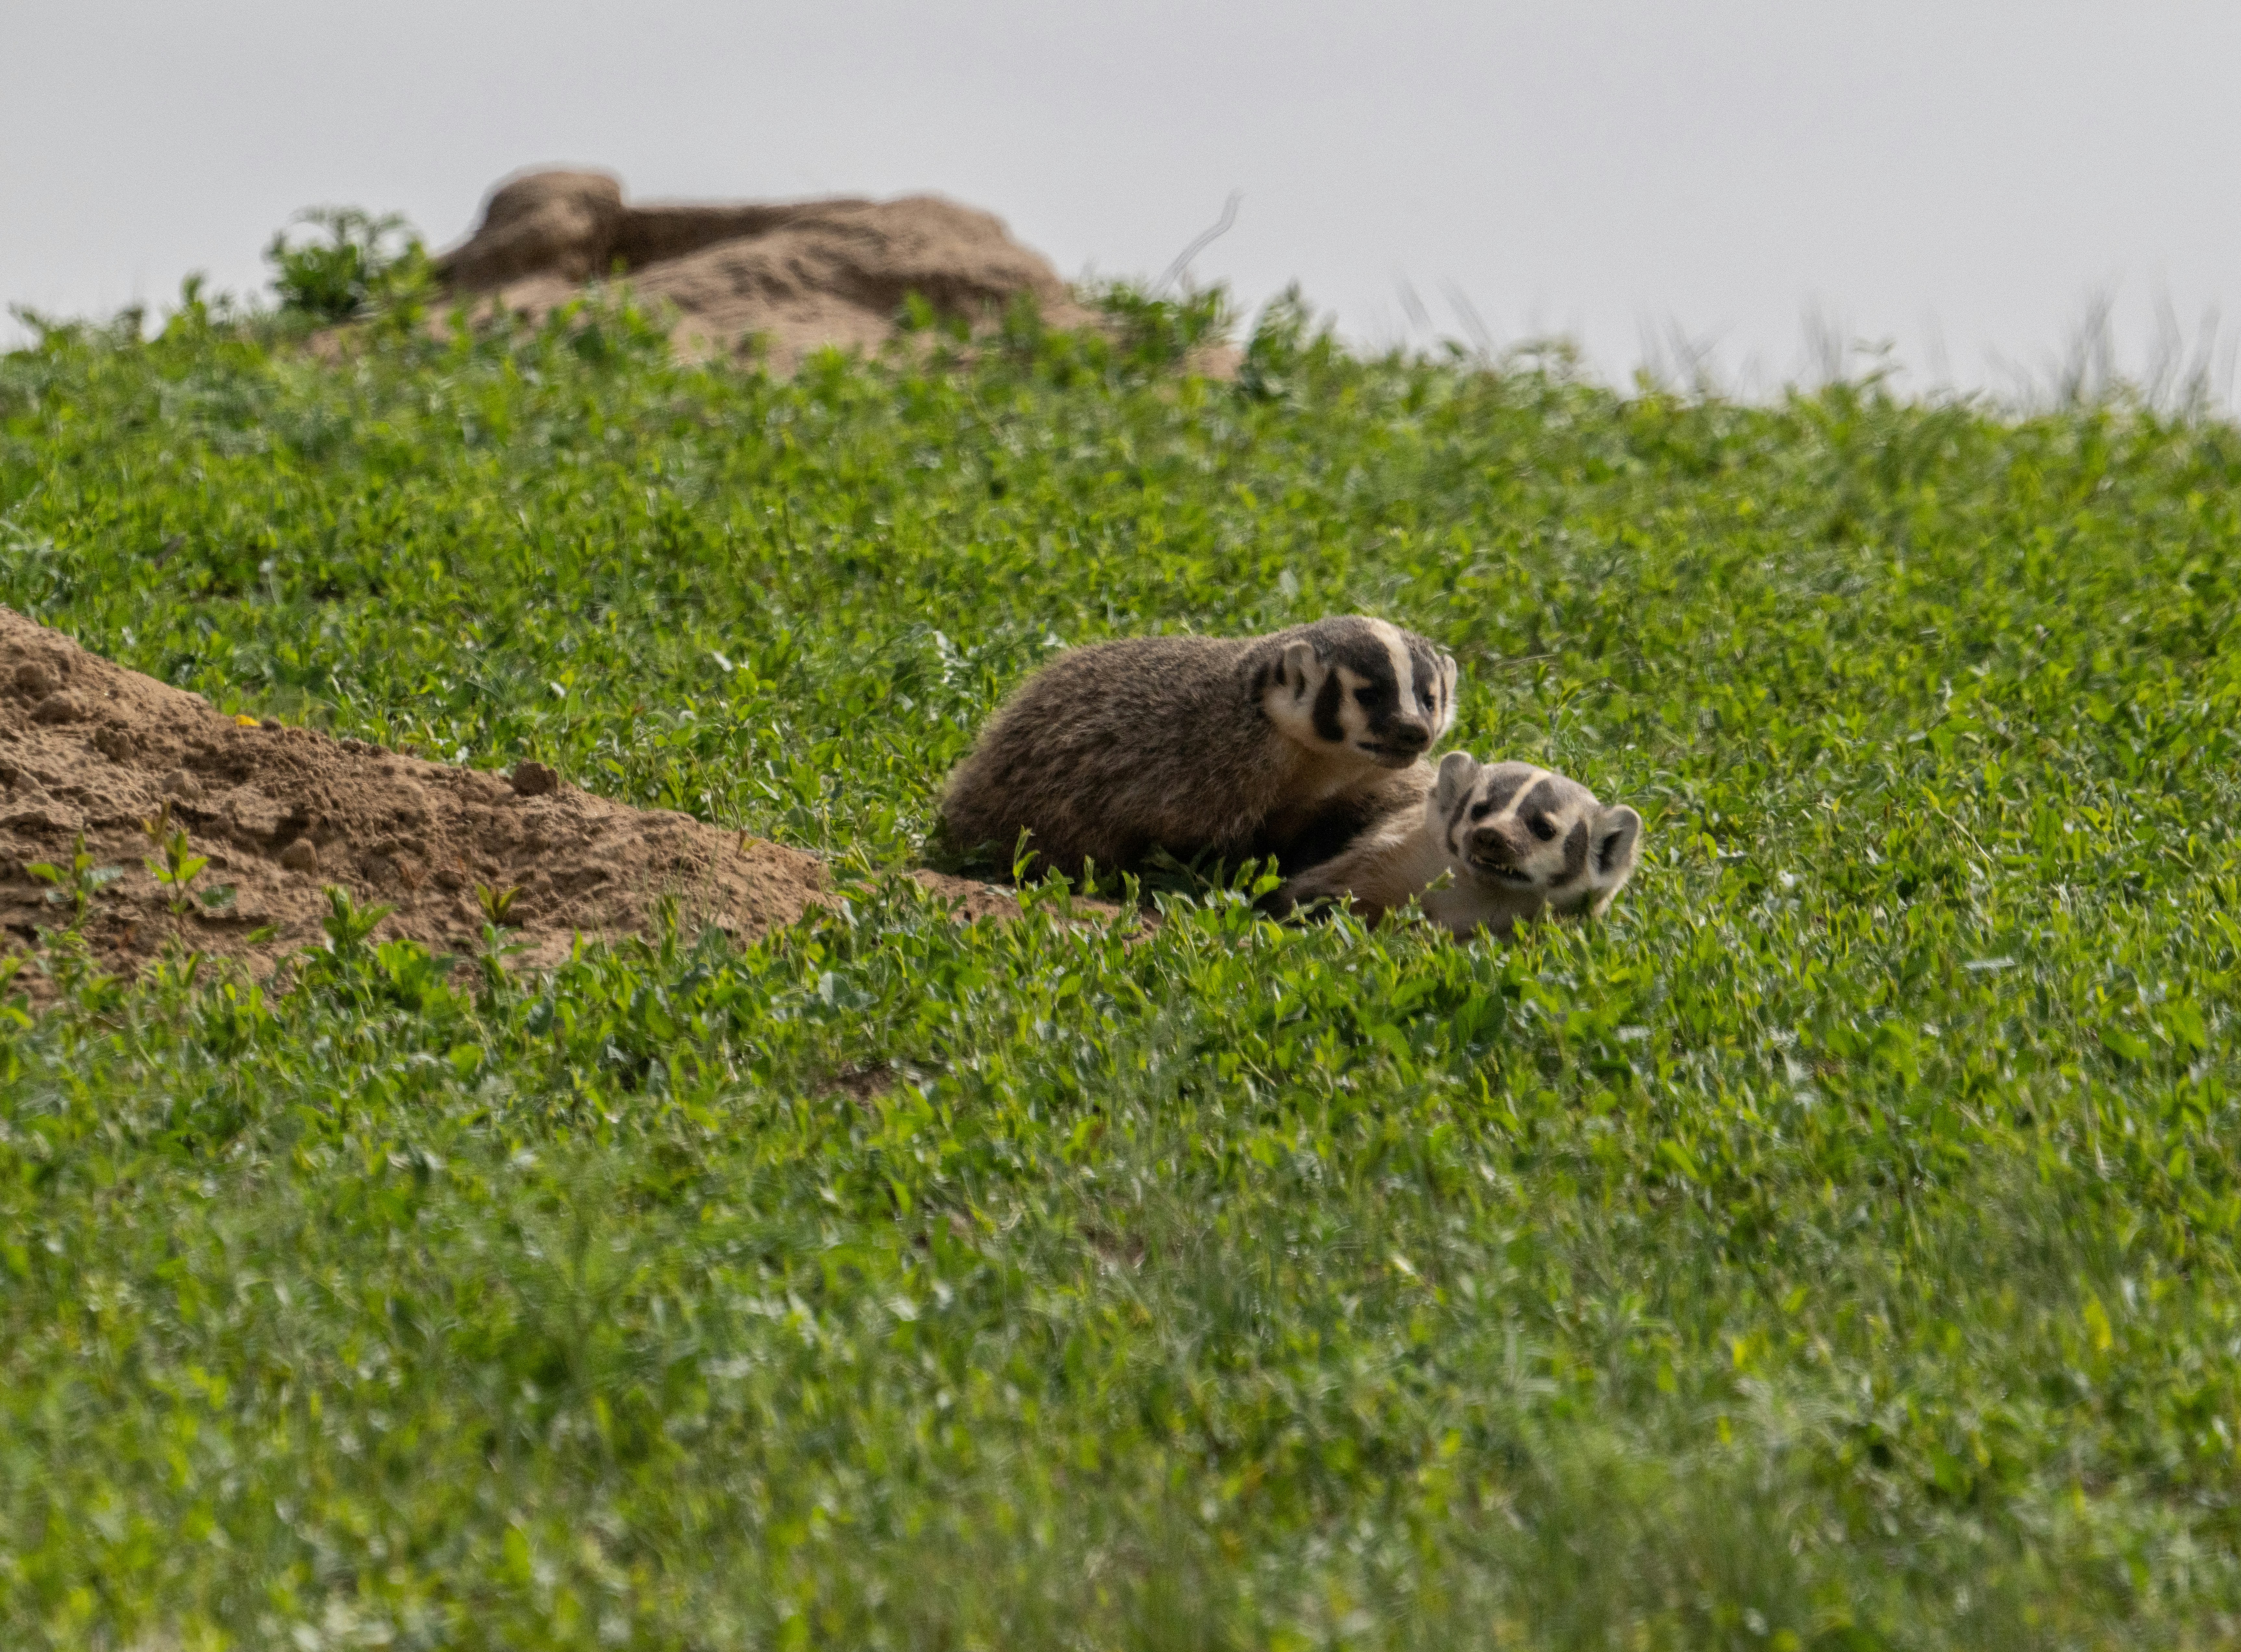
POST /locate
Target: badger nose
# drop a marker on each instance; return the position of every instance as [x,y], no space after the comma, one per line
[1410,737]
[1487,844]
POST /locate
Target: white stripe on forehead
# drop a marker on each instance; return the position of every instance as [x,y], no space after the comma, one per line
[1404,670]
[1522,790]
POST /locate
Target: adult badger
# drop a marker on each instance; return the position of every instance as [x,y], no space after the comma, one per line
[1277,745]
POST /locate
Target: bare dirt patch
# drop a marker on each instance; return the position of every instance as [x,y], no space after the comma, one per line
[862,1084]
[87,746]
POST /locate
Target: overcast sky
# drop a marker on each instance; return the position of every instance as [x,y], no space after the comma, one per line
[1958,178]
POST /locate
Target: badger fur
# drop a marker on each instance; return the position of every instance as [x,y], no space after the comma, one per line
[1489,846]
[1233,746]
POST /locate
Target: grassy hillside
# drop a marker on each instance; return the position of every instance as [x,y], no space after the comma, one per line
[1836,1248]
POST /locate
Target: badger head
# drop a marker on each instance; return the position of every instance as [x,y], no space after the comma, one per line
[1514,826]
[1362,687]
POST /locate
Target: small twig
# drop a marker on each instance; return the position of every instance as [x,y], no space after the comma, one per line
[1206,239]
[1481,336]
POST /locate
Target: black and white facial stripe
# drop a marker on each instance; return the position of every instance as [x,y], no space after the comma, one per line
[1521,827]
[1364,686]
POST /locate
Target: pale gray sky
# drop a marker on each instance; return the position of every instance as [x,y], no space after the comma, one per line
[1957,178]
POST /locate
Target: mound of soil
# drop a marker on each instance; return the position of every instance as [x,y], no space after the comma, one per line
[800,274]
[88,746]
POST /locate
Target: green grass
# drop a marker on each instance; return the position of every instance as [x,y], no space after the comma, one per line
[1834,1248]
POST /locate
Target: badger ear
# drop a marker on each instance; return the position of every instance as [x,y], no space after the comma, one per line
[1458,773]
[1615,845]
[1448,678]
[1289,698]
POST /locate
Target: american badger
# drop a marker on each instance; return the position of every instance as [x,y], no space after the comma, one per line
[1237,746]
[1518,839]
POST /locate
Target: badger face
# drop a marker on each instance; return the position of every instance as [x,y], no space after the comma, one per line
[1362,686]
[1514,827]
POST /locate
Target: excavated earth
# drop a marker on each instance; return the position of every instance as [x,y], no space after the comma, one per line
[785,279]
[795,275]
[281,813]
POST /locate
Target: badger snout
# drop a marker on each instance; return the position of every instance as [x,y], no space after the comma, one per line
[1399,743]
[1494,849]
[1488,844]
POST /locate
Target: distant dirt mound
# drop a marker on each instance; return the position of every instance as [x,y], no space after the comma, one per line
[86,745]
[802,274]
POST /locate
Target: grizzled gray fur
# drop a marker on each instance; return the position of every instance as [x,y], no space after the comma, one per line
[1233,746]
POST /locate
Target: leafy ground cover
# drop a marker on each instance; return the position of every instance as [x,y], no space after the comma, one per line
[1834,1248]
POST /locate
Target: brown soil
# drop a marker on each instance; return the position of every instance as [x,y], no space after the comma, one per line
[88,746]
[799,274]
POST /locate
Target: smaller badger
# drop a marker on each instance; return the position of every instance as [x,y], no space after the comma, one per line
[1519,841]
[1235,746]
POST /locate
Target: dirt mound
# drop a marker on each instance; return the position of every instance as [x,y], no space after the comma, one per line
[801,274]
[88,746]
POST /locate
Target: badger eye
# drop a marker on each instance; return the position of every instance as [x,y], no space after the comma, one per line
[1541,828]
